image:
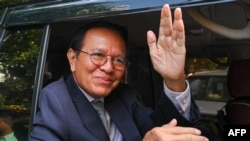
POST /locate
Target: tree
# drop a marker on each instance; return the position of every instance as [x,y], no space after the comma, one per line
[19,58]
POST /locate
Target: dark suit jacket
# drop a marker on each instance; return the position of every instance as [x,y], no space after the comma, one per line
[65,114]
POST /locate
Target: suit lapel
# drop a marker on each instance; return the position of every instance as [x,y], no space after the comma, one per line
[122,118]
[89,117]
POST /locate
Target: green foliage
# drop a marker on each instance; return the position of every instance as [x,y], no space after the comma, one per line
[19,57]
[18,61]
[202,64]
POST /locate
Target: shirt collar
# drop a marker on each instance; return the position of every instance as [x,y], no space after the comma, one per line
[90,98]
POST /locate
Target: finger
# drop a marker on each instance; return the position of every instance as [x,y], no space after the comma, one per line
[187,130]
[166,21]
[187,137]
[177,130]
[177,20]
[172,123]
[160,134]
[178,26]
[172,127]
[151,39]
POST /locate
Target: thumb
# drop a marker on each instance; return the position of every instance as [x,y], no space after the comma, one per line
[172,123]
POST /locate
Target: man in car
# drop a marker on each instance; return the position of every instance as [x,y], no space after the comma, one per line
[68,111]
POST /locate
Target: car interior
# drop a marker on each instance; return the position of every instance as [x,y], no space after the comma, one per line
[238,80]
[212,31]
[218,31]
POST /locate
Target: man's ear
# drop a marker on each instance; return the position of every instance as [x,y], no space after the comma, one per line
[71,55]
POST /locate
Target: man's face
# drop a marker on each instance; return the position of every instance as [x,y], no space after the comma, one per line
[98,80]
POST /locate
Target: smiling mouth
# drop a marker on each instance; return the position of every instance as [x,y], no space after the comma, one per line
[104,80]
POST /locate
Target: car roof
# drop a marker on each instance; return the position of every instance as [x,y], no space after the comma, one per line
[63,10]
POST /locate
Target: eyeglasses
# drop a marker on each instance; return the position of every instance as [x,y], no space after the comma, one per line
[97,58]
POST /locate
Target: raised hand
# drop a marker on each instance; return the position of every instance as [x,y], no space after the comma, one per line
[168,52]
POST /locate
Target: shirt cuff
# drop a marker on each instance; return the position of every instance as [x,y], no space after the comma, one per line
[181,100]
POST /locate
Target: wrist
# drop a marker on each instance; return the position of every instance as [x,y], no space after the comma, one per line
[177,85]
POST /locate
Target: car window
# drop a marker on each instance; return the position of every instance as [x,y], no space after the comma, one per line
[212,88]
[18,61]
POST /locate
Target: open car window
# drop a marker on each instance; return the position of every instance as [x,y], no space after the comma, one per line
[18,61]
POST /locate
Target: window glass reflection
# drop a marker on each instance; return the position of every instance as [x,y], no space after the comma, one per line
[212,88]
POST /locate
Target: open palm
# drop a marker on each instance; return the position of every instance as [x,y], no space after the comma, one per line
[168,52]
